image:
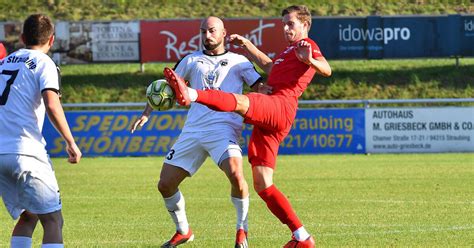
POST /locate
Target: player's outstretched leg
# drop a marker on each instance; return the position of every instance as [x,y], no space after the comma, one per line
[179,87]
[179,239]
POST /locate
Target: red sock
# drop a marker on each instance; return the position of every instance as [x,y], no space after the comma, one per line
[217,100]
[280,207]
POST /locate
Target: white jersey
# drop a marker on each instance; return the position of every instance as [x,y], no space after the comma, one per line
[24,75]
[227,72]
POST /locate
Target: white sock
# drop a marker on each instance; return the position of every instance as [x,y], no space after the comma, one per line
[52,246]
[242,207]
[20,242]
[176,208]
[301,234]
[193,95]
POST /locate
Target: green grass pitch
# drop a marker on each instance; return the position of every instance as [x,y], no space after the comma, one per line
[416,200]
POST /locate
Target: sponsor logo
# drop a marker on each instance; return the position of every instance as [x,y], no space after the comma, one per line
[468,25]
[178,49]
[349,33]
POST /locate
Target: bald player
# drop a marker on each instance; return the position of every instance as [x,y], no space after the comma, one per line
[207,132]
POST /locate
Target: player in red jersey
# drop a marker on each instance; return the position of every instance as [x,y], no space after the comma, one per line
[272,115]
[3,51]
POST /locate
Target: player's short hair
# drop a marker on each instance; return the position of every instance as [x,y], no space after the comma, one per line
[37,29]
[303,13]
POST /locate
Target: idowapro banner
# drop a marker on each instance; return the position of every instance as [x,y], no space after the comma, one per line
[379,37]
[405,130]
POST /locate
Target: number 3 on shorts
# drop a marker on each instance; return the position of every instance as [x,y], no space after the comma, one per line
[170,154]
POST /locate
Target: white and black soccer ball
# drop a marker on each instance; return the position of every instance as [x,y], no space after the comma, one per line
[160,95]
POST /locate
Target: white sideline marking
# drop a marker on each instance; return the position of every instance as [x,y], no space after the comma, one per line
[375,233]
[432,229]
[390,201]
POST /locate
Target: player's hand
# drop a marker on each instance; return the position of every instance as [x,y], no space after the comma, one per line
[303,51]
[238,40]
[139,122]
[74,153]
[264,88]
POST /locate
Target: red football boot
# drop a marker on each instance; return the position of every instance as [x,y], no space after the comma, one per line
[179,87]
[241,239]
[178,239]
[308,243]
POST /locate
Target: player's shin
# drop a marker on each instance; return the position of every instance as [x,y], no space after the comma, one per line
[176,208]
[242,208]
[217,100]
[20,242]
[280,207]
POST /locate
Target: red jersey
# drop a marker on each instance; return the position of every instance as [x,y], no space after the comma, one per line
[3,51]
[289,76]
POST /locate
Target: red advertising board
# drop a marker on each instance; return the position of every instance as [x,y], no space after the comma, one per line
[170,40]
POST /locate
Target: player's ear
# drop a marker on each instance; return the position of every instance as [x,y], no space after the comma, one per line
[307,25]
[224,32]
[22,37]
[51,40]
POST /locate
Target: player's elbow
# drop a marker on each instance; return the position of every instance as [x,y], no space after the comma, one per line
[51,105]
[326,72]
[268,68]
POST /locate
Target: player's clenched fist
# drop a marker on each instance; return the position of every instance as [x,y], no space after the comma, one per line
[238,40]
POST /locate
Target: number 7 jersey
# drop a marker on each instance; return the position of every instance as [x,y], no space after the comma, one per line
[24,75]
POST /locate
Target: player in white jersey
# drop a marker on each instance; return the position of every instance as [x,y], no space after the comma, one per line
[207,132]
[29,86]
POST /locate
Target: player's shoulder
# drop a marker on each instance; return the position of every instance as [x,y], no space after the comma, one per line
[310,40]
[187,59]
[40,57]
[190,57]
[194,55]
[31,58]
[314,46]
[236,57]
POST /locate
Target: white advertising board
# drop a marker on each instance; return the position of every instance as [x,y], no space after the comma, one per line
[115,41]
[405,130]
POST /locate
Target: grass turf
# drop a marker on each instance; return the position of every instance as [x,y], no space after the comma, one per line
[421,200]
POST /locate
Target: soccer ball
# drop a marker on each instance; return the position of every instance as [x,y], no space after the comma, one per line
[160,95]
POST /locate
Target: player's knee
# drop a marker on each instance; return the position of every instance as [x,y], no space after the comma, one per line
[52,220]
[243,104]
[27,217]
[257,187]
[237,179]
[166,187]
[260,185]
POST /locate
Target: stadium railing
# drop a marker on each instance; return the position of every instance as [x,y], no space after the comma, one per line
[364,102]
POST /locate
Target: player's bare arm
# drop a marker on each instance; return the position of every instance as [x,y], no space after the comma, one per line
[58,119]
[257,56]
[142,119]
[304,54]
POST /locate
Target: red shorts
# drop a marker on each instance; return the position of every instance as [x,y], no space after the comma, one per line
[272,117]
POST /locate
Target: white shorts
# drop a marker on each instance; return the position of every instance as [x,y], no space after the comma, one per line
[28,183]
[191,149]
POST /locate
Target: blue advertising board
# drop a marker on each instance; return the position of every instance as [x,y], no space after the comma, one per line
[467,35]
[317,131]
[106,133]
[378,37]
